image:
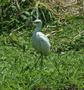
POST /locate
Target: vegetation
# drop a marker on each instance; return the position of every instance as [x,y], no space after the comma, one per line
[64,66]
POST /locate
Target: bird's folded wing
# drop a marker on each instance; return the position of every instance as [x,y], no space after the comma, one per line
[44,42]
[42,36]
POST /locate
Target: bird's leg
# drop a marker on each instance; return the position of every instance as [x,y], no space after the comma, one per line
[36,62]
[41,62]
[42,67]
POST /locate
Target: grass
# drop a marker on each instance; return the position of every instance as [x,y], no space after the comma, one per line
[63,68]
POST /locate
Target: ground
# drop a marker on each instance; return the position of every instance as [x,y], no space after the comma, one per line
[63,68]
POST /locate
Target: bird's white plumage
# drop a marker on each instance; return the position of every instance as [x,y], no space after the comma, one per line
[39,40]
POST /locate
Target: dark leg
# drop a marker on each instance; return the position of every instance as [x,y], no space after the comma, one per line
[41,62]
[36,62]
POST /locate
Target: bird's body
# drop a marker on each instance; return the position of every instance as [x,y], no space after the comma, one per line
[39,40]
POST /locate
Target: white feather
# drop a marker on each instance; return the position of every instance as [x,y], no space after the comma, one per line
[40,41]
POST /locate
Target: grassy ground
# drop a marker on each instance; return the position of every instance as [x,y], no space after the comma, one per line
[63,68]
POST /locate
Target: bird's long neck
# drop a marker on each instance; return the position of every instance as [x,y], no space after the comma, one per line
[38,28]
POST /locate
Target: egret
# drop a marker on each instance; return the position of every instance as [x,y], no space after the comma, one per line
[39,40]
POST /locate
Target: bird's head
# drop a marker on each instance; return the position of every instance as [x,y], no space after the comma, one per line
[38,22]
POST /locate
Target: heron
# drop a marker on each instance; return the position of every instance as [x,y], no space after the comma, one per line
[40,41]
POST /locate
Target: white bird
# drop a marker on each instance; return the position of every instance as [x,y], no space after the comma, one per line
[40,41]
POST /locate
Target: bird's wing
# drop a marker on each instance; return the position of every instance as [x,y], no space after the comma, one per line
[44,42]
[42,36]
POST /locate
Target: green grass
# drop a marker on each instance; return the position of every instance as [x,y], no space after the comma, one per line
[63,68]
